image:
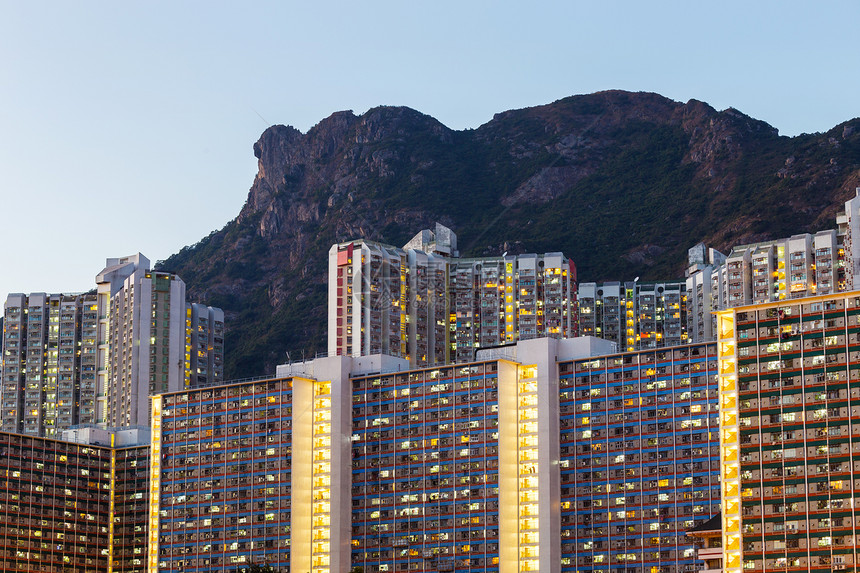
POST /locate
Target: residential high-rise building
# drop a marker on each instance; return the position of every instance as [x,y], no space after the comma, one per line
[848,224]
[74,507]
[146,330]
[800,266]
[789,391]
[424,303]
[48,363]
[634,315]
[796,267]
[156,342]
[548,455]
[501,300]
[702,292]
[204,346]
[97,357]
[639,459]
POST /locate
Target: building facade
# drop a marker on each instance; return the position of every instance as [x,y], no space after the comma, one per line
[49,350]
[424,303]
[72,507]
[507,463]
[97,357]
[204,346]
[639,459]
[501,300]
[145,343]
[800,266]
[634,315]
[790,397]
[222,489]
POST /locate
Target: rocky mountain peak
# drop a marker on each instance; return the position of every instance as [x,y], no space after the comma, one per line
[623,183]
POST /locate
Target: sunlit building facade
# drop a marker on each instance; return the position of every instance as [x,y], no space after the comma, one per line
[790,399]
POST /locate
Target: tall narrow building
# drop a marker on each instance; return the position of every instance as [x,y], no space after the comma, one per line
[204,346]
[155,341]
[145,337]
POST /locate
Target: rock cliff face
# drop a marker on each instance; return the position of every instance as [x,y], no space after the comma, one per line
[621,182]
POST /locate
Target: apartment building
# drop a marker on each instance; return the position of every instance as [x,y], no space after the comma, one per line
[501,300]
[48,363]
[639,463]
[204,346]
[68,506]
[145,337]
[221,480]
[70,359]
[634,315]
[789,396]
[366,462]
[799,266]
[427,470]
[848,224]
[424,303]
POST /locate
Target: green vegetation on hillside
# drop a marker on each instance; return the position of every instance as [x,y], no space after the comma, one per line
[622,183]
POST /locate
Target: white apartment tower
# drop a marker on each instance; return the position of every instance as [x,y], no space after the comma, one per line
[145,337]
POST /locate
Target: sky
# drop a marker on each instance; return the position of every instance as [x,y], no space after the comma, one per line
[128,127]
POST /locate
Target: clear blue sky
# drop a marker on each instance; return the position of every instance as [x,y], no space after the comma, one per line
[128,126]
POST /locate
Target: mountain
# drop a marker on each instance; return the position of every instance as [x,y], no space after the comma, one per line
[623,183]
